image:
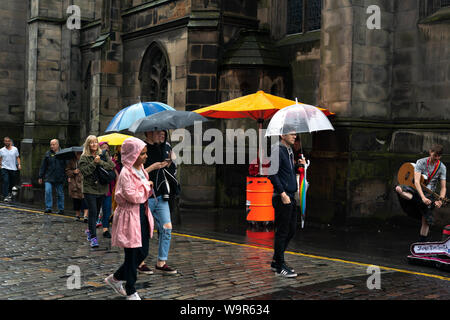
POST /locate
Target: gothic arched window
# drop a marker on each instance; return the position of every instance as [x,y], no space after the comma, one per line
[154,75]
[303,15]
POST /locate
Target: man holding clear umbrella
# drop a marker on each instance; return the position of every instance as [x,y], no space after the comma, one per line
[286,123]
[285,187]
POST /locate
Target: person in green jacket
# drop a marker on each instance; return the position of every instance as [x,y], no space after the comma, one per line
[93,190]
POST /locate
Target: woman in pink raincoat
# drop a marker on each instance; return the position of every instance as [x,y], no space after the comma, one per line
[133,222]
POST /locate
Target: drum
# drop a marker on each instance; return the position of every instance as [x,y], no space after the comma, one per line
[259,199]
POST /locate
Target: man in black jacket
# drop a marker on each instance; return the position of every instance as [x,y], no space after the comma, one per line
[52,173]
[284,182]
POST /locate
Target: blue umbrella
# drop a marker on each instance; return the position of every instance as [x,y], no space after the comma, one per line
[125,117]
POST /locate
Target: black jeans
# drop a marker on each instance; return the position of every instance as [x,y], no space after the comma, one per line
[285,227]
[94,203]
[9,180]
[134,256]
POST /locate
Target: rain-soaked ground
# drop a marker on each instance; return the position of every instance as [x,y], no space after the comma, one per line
[385,245]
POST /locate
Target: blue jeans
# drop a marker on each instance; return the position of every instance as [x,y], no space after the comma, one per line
[161,214]
[49,195]
[106,210]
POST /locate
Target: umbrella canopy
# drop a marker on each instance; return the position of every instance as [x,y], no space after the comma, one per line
[113,139]
[298,118]
[166,120]
[68,153]
[125,117]
[258,106]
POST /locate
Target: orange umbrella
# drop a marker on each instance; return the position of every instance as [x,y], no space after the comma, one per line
[259,106]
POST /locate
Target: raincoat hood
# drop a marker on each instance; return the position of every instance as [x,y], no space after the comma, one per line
[131,149]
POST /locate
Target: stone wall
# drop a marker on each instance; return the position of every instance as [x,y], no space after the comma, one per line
[13,23]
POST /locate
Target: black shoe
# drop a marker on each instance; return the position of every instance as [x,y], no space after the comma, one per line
[85,220]
[60,212]
[273,267]
[48,211]
[286,273]
[106,234]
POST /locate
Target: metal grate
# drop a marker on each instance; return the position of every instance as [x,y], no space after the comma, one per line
[428,7]
[303,15]
[314,14]
[295,16]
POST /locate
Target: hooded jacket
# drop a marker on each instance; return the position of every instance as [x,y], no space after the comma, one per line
[131,191]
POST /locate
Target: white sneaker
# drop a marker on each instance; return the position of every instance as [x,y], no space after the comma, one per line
[116,285]
[134,296]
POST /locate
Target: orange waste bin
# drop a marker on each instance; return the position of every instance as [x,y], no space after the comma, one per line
[259,199]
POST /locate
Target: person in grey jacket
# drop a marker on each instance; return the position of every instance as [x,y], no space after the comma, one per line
[52,173]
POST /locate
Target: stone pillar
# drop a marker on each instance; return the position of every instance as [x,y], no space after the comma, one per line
[46,110]
[49,86]
[107,72]
[201,91]
[356,68]
[13,17]
[203,50]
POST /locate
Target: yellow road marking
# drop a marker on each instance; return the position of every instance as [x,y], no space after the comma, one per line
[316,257]
[264,248]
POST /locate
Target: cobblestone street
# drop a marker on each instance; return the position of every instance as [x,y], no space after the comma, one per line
[37,250]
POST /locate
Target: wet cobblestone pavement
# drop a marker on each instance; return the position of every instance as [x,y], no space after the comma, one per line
[37,249]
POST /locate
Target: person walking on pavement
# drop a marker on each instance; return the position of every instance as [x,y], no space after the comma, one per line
[285,186]
[417,203]
[75,180]
[52,173]
[9,164]
[133,221]
[159,157]
[93,190]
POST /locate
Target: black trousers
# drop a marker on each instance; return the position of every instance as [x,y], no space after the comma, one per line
[134,256]
[94,203]
[285,227]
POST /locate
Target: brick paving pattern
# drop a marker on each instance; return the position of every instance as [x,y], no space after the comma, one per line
[37,249]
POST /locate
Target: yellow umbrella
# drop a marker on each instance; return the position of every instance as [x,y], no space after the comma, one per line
[114,139]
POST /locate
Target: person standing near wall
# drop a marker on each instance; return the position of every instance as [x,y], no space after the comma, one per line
[52,173]
[75,180]
[9,164]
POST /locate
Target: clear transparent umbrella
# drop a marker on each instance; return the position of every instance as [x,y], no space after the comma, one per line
[298,118]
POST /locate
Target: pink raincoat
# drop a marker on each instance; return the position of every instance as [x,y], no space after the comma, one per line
[130,192]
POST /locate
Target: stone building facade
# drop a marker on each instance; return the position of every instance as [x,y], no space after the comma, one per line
[389,87]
